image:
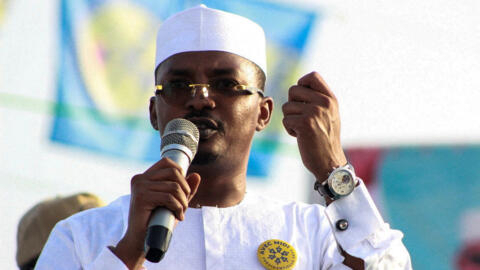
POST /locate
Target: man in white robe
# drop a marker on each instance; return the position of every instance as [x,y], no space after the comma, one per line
[210,69]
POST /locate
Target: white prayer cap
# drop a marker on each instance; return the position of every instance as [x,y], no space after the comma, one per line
[204,29]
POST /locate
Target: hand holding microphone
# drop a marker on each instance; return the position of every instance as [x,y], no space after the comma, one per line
[179,143]
[163,186]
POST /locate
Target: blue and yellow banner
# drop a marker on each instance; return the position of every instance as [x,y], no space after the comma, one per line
[105,72]
[3,4]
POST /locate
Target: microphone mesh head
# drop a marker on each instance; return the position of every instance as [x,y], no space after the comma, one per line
[176,133]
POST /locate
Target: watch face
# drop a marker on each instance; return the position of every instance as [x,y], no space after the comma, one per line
[341,183]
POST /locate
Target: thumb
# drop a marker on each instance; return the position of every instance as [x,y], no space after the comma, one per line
[193,181]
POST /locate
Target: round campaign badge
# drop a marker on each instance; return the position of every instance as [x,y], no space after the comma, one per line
[276,254]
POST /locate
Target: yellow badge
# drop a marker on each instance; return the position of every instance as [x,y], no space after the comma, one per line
[276,254]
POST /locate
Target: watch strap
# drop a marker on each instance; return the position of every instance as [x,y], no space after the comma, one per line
[323,189]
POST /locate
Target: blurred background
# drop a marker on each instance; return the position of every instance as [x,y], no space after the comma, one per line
[75,78]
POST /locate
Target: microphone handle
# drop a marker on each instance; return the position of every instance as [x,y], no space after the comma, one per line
[162,220]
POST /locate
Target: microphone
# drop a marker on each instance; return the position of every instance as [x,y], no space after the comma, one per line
[179,143]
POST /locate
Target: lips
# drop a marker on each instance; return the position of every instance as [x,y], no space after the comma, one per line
[206,126]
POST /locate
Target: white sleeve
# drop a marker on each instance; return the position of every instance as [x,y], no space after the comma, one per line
[60,253]
[106,260]
[367,236]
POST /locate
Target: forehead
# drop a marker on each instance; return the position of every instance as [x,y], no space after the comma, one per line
[209,63]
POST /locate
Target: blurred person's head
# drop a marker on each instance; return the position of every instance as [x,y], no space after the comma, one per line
[468,257]
[35,226]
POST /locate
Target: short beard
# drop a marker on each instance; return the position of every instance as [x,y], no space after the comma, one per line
[204,158]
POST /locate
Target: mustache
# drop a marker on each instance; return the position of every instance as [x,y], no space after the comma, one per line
[203,116]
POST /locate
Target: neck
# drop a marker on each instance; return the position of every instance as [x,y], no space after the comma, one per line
[219,189]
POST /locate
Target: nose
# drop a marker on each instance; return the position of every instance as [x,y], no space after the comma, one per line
[201,99]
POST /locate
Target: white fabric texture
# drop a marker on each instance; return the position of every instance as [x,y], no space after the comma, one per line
[368,236]
[228,238]
[205,29]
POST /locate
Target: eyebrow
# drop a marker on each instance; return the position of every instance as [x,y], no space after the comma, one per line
[214,72]
[180,72]
[189,73]
[224,71]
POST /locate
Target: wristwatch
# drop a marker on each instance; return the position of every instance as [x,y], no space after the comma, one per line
[340,183]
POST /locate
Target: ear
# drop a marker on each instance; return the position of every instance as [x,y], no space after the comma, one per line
[265,114]
[153,113]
